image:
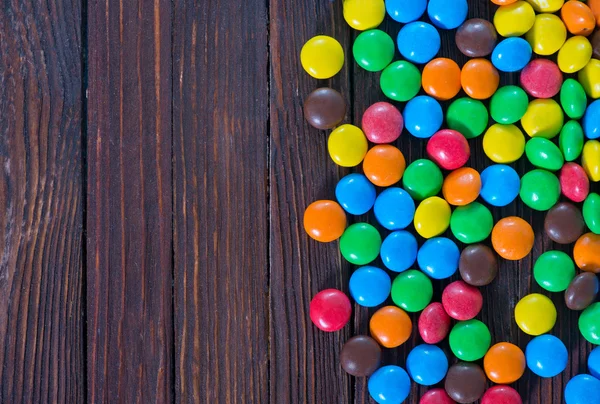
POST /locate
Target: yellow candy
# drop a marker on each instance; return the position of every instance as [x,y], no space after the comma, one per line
[503,143]
[364,14]
[432,217]
[546,6]
[547,35]
[589,77]
[347,145]
[535,314]
[514,19]
[543,118]
[590,159]
[322,57]
[574,54]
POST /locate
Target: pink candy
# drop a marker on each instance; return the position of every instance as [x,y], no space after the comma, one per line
[449,149]
[501,395]
[541,78]
[382,123]
[434,323]
[436,396]
[461,300]
[574,182]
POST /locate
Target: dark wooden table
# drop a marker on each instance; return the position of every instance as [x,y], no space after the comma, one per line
[155,166]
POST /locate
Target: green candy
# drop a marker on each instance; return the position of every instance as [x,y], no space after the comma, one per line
[468,117]
[360,243]
[422,179]
[509,104]
[573,99]
[591,212]
[412,290]
[470,340]
[570,140]
[373,50]
[589,323]
[540,189]
[400,81]
[471,223]
[554,271]
[543,153]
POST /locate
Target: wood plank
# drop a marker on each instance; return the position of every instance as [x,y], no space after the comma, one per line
[220,148]
[41,200]
[129,246]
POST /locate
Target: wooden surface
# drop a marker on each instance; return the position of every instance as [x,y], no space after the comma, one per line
[155,166]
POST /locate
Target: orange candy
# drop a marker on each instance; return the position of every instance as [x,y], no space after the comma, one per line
[512,238]
[503,2]
[384,165]
[479,79]
[390,326]
[504,363]
[594,5]
[461,186]
[578,18]
[587,253]
[441,78]
[324,221]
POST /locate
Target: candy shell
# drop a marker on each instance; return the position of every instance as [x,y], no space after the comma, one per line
[324,108]
[470,340]
[540,189]
[330,310]
[535,314]
[546,356]
[564,223]
[504,363]
[471,223]
[591,212]
[582,291]
[423,116]
[384,165]
[547,35]
[511,55]
[467,116]
[589,324]
[373,50]
[594,362]
[449,149]
[503,143]
[432,217]
[570,140]
[574,183]
[360,356]
[594,5]
[589,77]
[434,323]
[554,271]
[436,396]
[574,54]
[582,389]
[476,38]
[322,57]
[422,179]
[394,209]
[390,326]
[370,286]
[438,257]
[400,81]
[590,159]
[382,123]
[362,15]
[399,251]
[478,265]
[479,79]
[514,19]
[461,300]
[586,254]
[347,145]
[427,364]
[546,6]
[419,42]
[441,78]
[512,238]
[508,104]
[578,18]
[573,98]
[465,382]
[543,118]
[406,11]
[324,221]
[412,290]
[591,121]
[501,394]
[360,243]
[355,193]
[541,78]
[462,186]
[500,185]
[447,14]
[543,153]
[389,384]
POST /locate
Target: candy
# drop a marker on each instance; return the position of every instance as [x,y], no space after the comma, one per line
[582,291]
[564,223]
[546,6]
[501,394]
[324,108]
[441,78]
[546,356]
[422,179]
[511,55]
[399,251]
[461,300]
[574,54]
[461,186]
[503,2]
[382,123]
[478,265]
[479,79]
[540,189]
[554,271]
[389,384]
[514,19]
[547,35]
[360,243]
[586,254]
[504,363]
[412,290]
[509,104]
[574,183]
[390,326]
[405,11]
[432,217]
[400,81]
[427,364]
[449,149]
[347,145]
[591,212]
[471,223]
[423,116]
[541,78]
[543,118]
[582,389]
[360,356]
[436,396]
[573,98]
[476,38]
[543,153]
[418,42]
[322,57]
[324,221]
[535,314]
[578,18]
[590,159]
[355,193]
[394,209]
[384,165]
[570,140]
[591,121]
[330,310]
[373,50]
[467,116]
[594,362]
[589,77]
[447,14]
[465,382]
[362,15]
[512,238]
[434,323]
[503,143]
[438,257]
[469,340]
[500,185]
[370,286]
[594,5]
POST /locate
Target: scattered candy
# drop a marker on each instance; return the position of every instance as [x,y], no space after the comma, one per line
[362,15]
[478,265]
[441,79]
[324,221]
[394,209]
[564,223]
[360,243]
[330,310]
[573,98]
[543,118]
[432,217]
[500,185]
[582,389]
[544,154]
[382,123]
[390,326]
[399,251]
[535,314]
[400,81]
[322,57]
[324,108]
[427,364]
[469,340]
[389,384]
[422,179]
[547,35]
[554,271]
[514,19]
[461,186]
[467,116]
[574,183]
[347,145]
[373,50]
[406,11]
[591,212]
[471,223]
[412,290]
[571,140]
[512,238]
[447,14]
[461,300]
[541,78]
[438,257]
[578,18]
[370,286]
[355,193]
[434,323]
[582,291]
[540,189]
[436,396]
[501,395]
[546,355]
[503,143]
[423,116]
[419,42]
[465,382]
[479,79]
[591,121]
[590,159]
[594,362]
[360,356]
[509,104]
[589,78]
[449,149]
[585,253]
[476,38]
[504,363]
[384,165]
[574,54]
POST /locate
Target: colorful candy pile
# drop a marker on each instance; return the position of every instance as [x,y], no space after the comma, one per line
[438,193]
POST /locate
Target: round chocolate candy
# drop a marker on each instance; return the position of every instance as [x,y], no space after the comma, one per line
[582,291]
[324,108]
[360,356]
[564,223]
[478,265]
[476,38]
[465,382]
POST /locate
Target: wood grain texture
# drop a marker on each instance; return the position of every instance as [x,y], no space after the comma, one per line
[129,209]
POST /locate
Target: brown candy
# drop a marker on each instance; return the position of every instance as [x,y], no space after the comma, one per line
[465,382]
[476,38]
[582,291]
[596,45]
[324,108]
[564,223]
[360,356]
[478,265]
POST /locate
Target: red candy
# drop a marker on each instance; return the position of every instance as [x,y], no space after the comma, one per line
[541,78]
[449,149]
[574,182]
[436,396]
[330,310]
[382,123]
[434,323]
[501,395]
[461,300]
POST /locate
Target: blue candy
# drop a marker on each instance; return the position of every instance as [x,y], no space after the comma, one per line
[423,116]
[419,42]
[370,286]
[511,55]
[591,121]
[500,185]
[394,209]
[427,364]
[447,14]
[399,251]
[546,355]
[356,194]
[389,384]
[583,389]
[594,362]
[405,11]
[438,257]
